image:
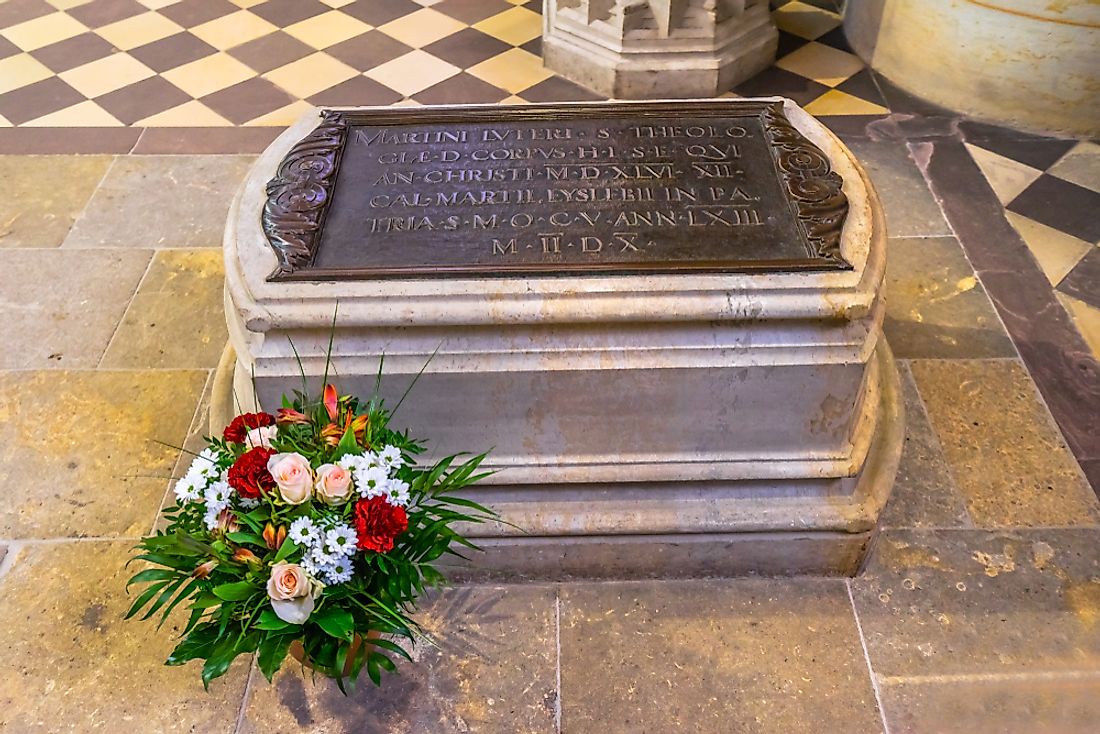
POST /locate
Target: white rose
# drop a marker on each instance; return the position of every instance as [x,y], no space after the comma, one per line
[260,437]
[293,476]
[333,484]
[293,593]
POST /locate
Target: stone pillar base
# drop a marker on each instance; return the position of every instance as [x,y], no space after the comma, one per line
[626,57]
[749,535]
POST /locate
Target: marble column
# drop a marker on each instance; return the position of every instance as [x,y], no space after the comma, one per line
[658,49]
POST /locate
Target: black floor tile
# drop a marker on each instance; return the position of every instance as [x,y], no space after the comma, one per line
[1062,205]
[1083,282]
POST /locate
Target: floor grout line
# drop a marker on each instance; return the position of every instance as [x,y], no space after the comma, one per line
[557,671]
[125,311]
[13,549]
[88,203]
[176,465]
[867,658]
[245,694]
[1004,677]
[12,542]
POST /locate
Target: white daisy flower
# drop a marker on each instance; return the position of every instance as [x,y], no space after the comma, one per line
[218,495]
[188,489]
[211,516]
[371,482]
[351,462]
[397,492]
[322,558]
[339,572]
[311,568]
[303,531]
[390,458]
[205,465]
[341,540]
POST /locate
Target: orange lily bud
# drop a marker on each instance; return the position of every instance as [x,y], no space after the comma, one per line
[243,555]
[227,522]
[288,416]
[269,536]
[280,536]
[331,401]
[359,426]
[203,570]
[331,434]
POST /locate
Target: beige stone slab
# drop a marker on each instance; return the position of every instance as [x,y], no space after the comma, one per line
[924,493]
[1081,165]
[58,308]
[713,656]
[77,449]
[978,602]
[44,196]
[1007,178]
[1008,460]
[1056,252]
[1086,318]
[494,671]
[910,209]
[177,316]
[71,664]
[935,305]
[161,202]
[1028,704]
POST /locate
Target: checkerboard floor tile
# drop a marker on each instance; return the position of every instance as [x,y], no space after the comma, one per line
[1050,189]
[260,63]
[199,63]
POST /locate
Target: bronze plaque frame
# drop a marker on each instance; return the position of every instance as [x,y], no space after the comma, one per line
[300,195]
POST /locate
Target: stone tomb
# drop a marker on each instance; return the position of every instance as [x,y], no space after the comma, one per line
[664,319]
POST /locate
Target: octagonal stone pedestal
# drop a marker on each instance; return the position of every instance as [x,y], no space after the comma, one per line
[643,425]
[658,49]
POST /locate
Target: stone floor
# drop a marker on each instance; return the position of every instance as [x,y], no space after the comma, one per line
[979,610]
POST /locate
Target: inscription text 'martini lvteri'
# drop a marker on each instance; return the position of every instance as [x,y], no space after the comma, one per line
[638,188]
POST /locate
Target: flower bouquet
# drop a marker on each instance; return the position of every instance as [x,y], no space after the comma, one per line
[313,528]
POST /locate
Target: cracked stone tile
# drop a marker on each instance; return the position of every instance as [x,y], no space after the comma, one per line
[494,671]
[161,202]
[72,664]
[157,332]
[713,656]
[935,306]
[44,195]
[78,451]
[924,494]
[69,322]
[964,602]
[1008,460]
[911,211]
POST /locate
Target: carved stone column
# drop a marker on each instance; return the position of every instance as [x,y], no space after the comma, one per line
[652,49]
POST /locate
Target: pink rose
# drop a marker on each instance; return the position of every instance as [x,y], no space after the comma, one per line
[293,593]
[260,437]
[333,484]
[292,476]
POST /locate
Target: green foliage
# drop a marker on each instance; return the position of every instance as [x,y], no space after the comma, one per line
[219,576]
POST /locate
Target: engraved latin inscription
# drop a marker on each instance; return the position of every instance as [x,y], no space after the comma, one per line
[595,193]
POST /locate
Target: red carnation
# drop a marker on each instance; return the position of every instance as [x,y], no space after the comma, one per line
[249,474]
[377,523]
[236,431]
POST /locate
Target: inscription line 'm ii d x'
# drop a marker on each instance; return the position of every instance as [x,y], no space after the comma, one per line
[553,190]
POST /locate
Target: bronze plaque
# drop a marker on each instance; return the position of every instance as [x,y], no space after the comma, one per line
[554,189]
